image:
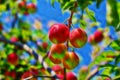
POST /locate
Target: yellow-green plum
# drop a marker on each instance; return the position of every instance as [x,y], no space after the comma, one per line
[57,52]
[71,60]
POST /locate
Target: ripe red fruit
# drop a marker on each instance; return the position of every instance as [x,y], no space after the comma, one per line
[58,69]
[71,60]
[71,76]
[78,38]
[10,74]
[14,39]
[28,74]
[58,33]
[44,45]
[31,7]
[98,36]
[57,52]
[13,58]
[22,5]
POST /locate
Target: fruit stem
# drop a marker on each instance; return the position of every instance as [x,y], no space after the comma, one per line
[69,25]
[70,19]
[64,73]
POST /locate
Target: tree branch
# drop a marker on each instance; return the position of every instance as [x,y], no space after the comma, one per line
[32,52]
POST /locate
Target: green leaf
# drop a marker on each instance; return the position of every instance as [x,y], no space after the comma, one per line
[68,5]
[83,24]
[52,2]
[83,3]
[117,60]
[115,45]
[103,57]
[90,14]
[112,13]
[118,27]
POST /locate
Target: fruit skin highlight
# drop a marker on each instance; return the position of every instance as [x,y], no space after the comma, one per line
[13,59]
[58,33]
[57,53]
[78,38]
[71,60]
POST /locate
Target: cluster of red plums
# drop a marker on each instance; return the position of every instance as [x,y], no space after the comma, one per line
[26,8]
[59,34]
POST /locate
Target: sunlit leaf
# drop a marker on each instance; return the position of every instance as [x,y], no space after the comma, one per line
[115,45]
[91,14]
[68,5]
[83,24]
[112,14]
[103,57]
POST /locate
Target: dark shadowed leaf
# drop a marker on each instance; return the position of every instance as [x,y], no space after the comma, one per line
[98,3]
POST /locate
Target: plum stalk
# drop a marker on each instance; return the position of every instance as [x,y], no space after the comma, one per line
[69,25]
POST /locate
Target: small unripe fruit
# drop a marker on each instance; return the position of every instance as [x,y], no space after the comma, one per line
[57,52]
[78,38]
[13,58]
[58,33]
[71,60]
